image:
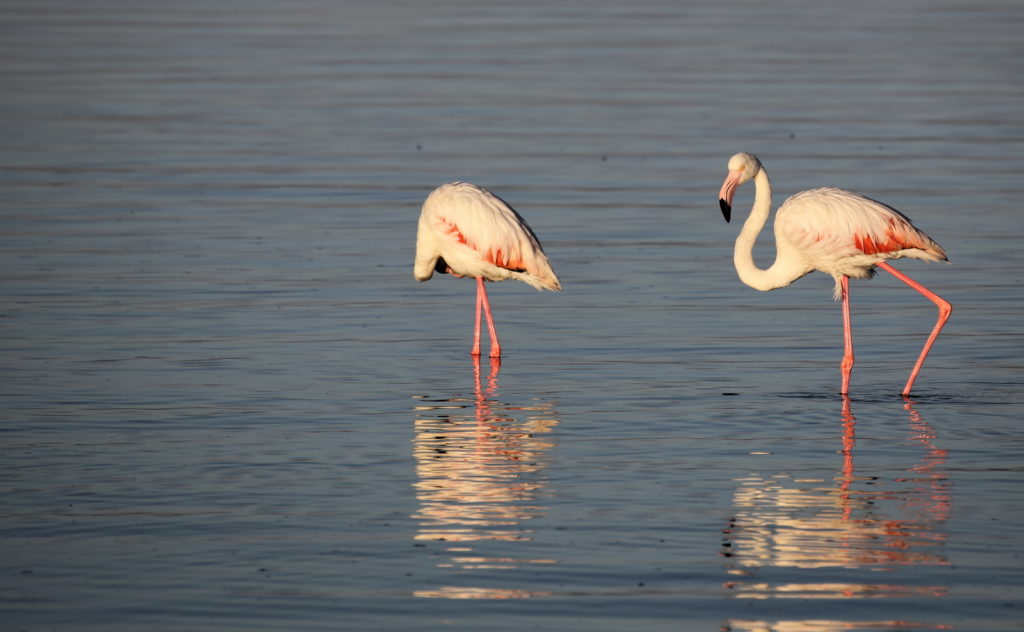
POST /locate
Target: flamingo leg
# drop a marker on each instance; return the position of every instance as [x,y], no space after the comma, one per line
[945,309]
[481,294]
[475,351]
[846,366]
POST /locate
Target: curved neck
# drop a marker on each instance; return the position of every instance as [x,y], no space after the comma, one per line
[784,270]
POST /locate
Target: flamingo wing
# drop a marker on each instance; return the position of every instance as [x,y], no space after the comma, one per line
[830,225]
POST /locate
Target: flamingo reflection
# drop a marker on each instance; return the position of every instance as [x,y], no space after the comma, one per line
[852,521]
[827,625]
[480,480]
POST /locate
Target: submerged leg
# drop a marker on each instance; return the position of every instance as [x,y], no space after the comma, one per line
[945,309]
[482,295]
[846,366]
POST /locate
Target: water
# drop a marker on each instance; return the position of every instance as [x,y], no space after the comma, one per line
[226,405]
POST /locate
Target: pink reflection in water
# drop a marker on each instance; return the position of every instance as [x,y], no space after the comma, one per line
[480,478]
[852,521]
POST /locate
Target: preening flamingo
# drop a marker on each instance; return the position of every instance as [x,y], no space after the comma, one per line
[467,231]
[840,233]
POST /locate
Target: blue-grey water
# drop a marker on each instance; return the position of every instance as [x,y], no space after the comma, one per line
[225,404]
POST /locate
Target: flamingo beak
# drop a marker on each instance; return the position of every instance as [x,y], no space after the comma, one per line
[726,209]
[732,182]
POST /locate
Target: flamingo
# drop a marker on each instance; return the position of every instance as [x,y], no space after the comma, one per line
[835,231]
[467,231]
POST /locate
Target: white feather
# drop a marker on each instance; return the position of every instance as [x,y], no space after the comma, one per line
[476,234]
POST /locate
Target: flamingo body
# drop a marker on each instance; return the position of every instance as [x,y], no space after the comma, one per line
[846,234]
[840,233]
[467,231]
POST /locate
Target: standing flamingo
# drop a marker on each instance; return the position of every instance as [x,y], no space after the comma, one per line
[838,232]
[467,231]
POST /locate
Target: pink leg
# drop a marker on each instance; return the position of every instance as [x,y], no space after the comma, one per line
[482,296]
[475,351]
[945,309]
[846,366]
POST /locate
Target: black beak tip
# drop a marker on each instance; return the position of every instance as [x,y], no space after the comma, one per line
[726,209]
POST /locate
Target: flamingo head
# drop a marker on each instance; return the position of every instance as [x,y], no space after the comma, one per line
[742,168]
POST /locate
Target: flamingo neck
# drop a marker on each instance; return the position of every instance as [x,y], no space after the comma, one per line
[786,268]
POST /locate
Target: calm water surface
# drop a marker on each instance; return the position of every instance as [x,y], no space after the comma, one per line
[226,405]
